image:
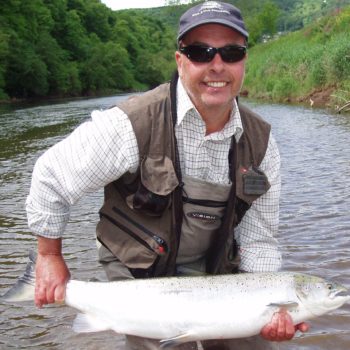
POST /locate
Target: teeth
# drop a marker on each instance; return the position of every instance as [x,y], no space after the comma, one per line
[216,84]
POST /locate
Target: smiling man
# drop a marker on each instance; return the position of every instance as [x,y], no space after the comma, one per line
[212,85]
[191,178]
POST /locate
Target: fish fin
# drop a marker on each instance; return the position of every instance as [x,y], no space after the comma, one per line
[182,338]
[285,305]
[85,323]
[23,289]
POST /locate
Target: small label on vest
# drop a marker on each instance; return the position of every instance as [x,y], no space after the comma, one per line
[254,182]
[203,216]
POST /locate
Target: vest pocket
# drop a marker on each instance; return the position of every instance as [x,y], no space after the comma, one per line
[148,202]
[132,243]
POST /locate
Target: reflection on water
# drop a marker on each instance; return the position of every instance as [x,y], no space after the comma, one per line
[314,226]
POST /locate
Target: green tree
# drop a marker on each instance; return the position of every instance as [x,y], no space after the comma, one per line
[4,51]
[75,39]
[98,19]
[268,18]
[106,69]
[26,74]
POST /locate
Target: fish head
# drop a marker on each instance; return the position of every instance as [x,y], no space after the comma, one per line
[318,295]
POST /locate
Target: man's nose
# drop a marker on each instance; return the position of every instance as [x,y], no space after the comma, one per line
[217,63]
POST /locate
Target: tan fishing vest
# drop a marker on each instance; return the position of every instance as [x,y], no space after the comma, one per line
[141,218]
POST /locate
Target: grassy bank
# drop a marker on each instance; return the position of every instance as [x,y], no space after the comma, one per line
[311,65]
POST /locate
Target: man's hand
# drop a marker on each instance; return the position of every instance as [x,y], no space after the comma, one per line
[281,327]
[51,272]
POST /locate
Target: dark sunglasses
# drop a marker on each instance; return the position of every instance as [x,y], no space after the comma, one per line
[202,53]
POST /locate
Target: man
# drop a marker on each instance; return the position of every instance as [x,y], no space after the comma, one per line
[191,178]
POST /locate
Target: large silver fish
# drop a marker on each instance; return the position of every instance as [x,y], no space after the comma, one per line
[181,309]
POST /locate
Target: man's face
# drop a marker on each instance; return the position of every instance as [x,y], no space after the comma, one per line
[212,86]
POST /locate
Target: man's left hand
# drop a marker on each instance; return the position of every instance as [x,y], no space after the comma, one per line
[281,327]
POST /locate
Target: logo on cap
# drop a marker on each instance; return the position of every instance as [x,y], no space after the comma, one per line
[210,6]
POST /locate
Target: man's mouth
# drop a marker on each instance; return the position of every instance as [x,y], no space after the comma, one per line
[216,84]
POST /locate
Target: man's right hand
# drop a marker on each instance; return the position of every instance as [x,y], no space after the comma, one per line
[51,272]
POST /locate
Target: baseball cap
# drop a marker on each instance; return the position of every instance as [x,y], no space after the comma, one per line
[212,12]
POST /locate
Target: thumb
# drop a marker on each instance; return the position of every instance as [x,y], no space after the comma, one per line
[60,293]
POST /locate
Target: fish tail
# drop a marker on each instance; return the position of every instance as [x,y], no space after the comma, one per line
[23,289]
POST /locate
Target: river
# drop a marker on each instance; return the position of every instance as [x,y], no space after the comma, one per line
[314,220]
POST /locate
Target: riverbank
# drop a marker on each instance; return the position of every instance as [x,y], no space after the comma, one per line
[62,99]
[319,98]
[327,98]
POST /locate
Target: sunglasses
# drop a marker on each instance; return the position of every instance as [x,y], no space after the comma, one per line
[202,53]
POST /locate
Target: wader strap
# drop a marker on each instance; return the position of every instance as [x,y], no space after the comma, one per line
[177,195]
[216,253]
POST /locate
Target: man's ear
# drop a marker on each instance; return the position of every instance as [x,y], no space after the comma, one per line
[178,59]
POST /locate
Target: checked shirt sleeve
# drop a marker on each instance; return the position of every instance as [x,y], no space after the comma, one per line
[256,234]
[98,152]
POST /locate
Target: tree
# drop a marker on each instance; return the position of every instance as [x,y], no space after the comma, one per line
[75,39]
[268,18]
[107,68]
[98,19]
[26,74]
[4,51]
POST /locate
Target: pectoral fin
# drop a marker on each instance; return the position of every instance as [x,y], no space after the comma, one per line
[285,305]
[182,338]
[84,323]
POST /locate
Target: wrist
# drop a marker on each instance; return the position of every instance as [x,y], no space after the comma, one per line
[49,246]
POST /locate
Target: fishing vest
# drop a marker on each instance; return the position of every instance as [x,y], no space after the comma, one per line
[141,218]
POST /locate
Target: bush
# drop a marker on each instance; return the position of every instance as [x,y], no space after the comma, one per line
[340,59]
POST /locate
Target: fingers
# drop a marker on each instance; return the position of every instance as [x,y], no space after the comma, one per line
[269,332]
[40,296]
[281,327]
[286,329]
[45,295]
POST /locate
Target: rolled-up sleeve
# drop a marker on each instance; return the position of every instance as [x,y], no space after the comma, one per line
[256,234]
[98,152]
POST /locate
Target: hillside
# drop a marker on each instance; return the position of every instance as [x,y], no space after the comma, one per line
[311,65]
[296,14]
[291,14]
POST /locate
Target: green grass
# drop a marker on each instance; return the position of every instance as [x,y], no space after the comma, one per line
[295,65]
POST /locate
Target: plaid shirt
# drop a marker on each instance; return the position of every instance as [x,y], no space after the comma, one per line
[102,149]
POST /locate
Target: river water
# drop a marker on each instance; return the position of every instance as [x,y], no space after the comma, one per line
[314,221]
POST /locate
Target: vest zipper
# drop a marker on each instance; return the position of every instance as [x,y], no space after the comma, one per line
[162,245]
[205,202]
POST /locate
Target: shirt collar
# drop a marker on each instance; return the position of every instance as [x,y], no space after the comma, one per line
[184,106]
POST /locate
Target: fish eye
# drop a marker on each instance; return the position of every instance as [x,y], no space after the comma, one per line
[329,286]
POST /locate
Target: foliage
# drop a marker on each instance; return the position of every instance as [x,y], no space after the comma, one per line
[4,49]
[79,47]
[301,62]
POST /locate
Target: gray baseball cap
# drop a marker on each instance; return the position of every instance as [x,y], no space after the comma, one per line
[212,12]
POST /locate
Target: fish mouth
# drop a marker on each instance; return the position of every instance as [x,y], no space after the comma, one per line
[342,293]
